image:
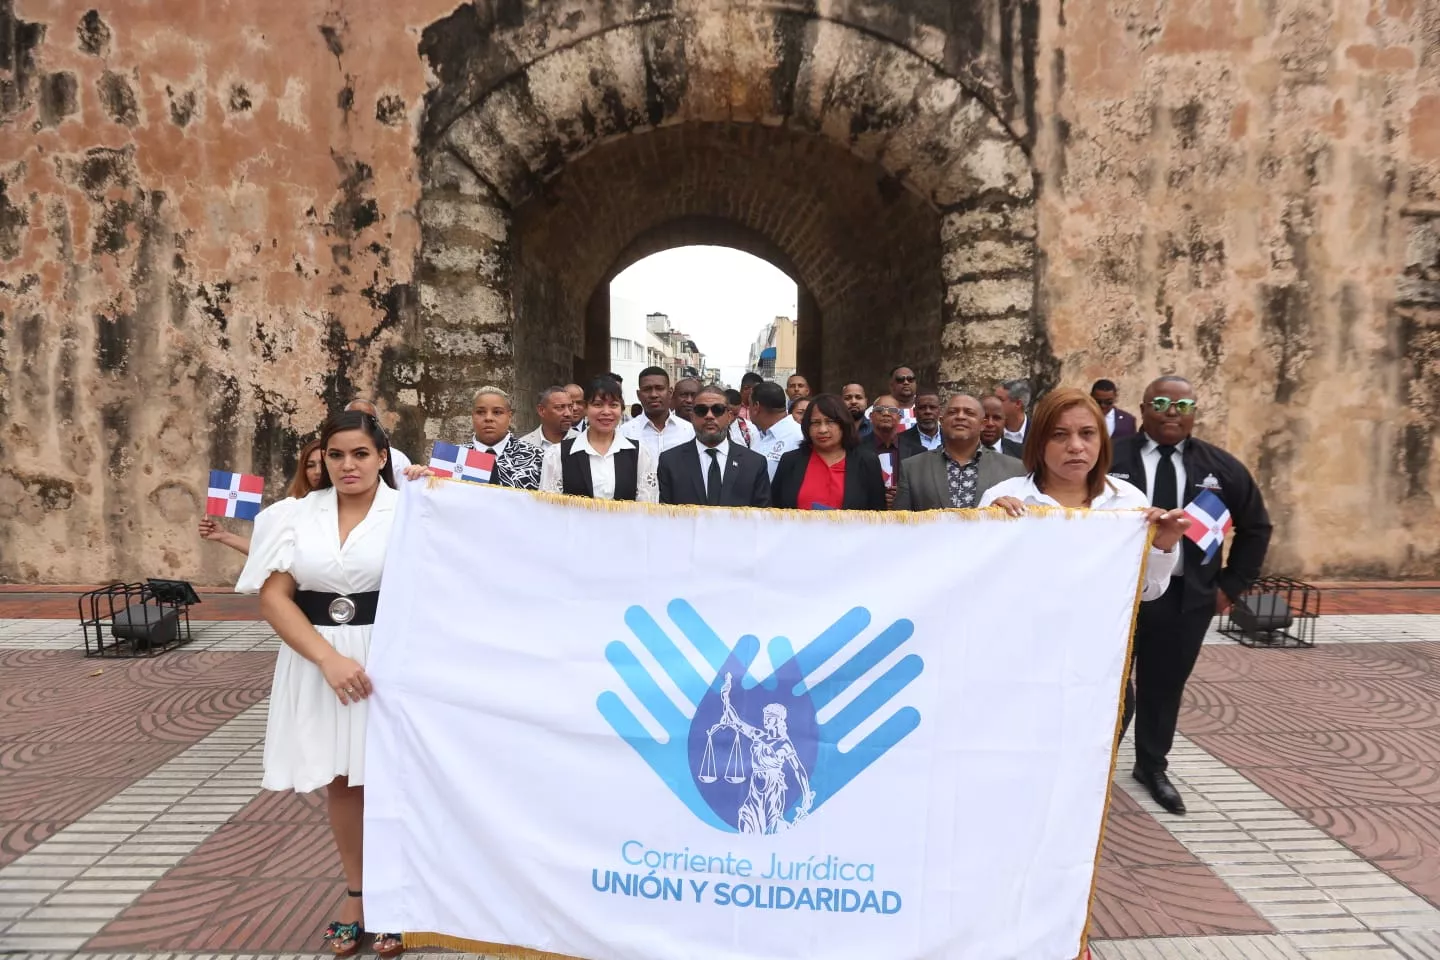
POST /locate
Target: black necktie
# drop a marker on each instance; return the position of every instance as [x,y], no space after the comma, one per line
[1166,494]
[712,479]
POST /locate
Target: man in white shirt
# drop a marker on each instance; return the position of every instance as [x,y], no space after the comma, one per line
[1015,400]
[657,429]
[555,410]
[398,460]
[770,431]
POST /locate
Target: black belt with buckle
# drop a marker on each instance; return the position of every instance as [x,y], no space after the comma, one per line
[336,609]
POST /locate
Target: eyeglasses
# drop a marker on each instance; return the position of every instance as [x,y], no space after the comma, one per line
[716,409]
[909,379]
[1105,404]
[878,408]
[1182,407]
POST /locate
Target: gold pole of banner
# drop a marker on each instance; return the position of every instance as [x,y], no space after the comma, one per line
[1115,744]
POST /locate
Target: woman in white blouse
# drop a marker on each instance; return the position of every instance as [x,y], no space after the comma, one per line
[316,563]
[600,463]
[1067,451]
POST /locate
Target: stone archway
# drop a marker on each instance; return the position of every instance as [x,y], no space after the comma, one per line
[896,194]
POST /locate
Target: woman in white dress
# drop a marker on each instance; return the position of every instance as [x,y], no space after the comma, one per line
[316,563]
[1067,451]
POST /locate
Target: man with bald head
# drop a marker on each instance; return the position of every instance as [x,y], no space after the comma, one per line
[682,397]
[992,429]
[957,474]
[1174,467]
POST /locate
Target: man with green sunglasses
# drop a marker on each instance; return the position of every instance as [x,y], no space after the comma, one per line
[1173,467]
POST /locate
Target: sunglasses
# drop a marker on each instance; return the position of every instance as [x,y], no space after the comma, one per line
[715,409]
[1161,404]
[879,408]
[909,379]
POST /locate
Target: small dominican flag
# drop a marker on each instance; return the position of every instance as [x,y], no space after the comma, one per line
[234,495]
[1209,522]
[461,463]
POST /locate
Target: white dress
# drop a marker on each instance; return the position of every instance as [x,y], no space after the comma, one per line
[310,737]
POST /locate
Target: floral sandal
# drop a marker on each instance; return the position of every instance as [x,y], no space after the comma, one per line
[344,938]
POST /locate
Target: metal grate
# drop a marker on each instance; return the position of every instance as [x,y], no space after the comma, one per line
[1274,612]
[136,619]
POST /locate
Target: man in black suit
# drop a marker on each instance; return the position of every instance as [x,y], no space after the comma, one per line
[1117,421]
[1173,467]
[992,429]
[710,470]
[925,435]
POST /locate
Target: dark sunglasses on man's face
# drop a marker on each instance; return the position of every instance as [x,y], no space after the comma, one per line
[1106,403]
[707,409]
[1182,407]
[909,379]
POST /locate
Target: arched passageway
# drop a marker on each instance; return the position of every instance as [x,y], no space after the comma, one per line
[893,194]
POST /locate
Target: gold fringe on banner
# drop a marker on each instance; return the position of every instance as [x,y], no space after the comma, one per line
[1115,743]
[504,951]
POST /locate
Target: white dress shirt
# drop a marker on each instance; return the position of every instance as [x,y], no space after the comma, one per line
[1110,421]
[931,443]
[643,432]
[722,452]
[783,436]
[1117,495]
[602,469]
[1150,458]
[536,438]
[1018,435]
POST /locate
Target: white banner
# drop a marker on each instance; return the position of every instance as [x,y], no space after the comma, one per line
[623,732]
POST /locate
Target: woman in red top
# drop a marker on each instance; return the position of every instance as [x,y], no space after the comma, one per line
[829,470]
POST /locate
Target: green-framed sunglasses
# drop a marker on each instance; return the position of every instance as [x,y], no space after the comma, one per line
[1182,407]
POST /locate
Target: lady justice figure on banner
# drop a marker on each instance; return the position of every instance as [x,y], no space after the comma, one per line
[763,810]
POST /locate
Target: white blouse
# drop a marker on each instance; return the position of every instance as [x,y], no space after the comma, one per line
[1117,495]
[602,469]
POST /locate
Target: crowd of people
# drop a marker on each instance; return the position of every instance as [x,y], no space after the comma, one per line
[315,558]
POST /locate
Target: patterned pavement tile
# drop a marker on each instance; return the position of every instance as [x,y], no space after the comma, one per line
[1364,766]
[74,732]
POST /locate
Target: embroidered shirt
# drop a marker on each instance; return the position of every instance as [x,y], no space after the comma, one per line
[964,480]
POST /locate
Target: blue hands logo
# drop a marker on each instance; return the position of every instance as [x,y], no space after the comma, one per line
[752,756]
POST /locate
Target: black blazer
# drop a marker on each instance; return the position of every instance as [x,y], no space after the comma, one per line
[1233,484]
[746,483]
[910,443]
[864,481]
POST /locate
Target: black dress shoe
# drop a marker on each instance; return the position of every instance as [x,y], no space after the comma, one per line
[1162,791]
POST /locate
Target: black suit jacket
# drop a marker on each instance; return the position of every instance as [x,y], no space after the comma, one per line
[1233,484]
[864,482]
[746,483]
[1125,425]
[910,443]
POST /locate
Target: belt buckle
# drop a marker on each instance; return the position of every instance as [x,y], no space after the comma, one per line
[342,610]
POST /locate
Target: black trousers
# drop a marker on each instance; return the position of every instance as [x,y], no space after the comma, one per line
[1167,644]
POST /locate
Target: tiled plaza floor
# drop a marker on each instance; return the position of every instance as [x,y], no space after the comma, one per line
[131,820]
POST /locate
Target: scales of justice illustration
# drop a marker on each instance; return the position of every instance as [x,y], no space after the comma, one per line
[771,751]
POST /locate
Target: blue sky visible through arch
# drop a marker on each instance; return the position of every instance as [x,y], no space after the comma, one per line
[720,296]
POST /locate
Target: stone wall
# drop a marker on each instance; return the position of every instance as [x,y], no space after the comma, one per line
[217,224]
